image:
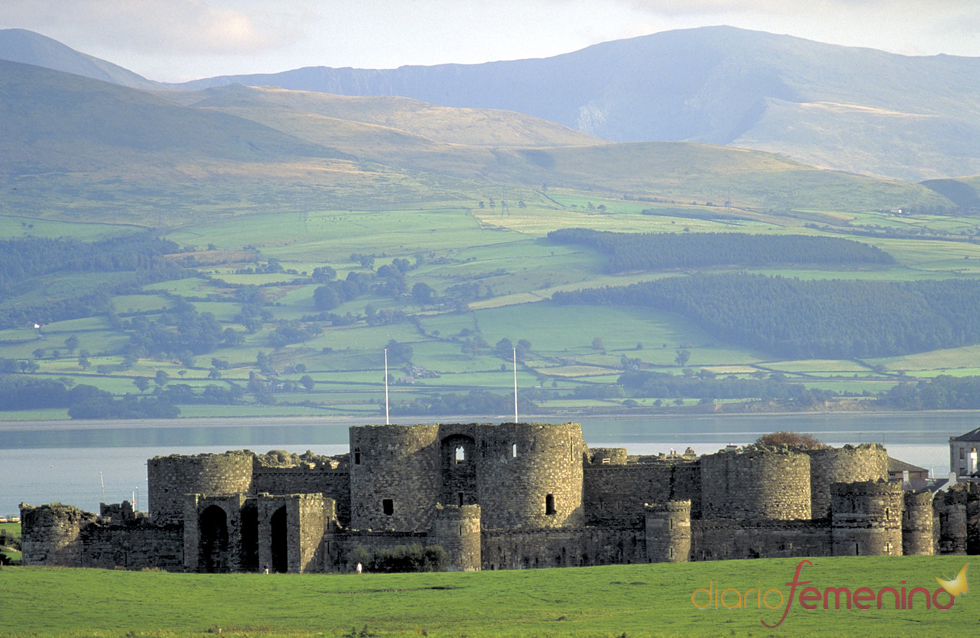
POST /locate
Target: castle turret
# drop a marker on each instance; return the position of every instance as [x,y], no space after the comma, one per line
[668,532]
[170,478]
[848,464]
[917,533]
[457,530]
[756,483]
[530,475]
[50,534]
[866,518]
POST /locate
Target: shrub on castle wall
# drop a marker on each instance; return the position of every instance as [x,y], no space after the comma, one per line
[402,559]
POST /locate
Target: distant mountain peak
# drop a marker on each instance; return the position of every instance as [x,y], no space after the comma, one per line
[28,47]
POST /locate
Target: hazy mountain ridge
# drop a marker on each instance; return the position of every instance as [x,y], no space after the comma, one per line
[851,109]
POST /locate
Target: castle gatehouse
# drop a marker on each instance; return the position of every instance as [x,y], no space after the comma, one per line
[507,496]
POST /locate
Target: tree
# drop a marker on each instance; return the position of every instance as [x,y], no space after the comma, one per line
[214,373]
[71,343]
[504,349]
[326,298]
[83,361]
[307,382]
[423,294]
[142,383]
[38,353]
[399,352]
[323,274]
[161,378]
[791,439]
[597,344]
[683,356]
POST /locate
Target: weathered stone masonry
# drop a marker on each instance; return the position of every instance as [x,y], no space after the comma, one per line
[508,496]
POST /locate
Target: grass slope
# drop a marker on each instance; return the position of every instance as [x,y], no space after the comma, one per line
[631,600]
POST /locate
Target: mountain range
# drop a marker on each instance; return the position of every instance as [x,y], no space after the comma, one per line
[848,109]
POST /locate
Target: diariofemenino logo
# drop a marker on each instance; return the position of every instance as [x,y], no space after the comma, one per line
[714,597]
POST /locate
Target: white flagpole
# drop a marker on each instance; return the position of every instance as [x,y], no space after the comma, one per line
[387,422]
[515,385]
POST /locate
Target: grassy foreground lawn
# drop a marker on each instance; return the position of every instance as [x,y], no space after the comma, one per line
[631,600]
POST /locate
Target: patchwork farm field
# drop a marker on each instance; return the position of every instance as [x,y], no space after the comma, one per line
[630,600]
[490,272]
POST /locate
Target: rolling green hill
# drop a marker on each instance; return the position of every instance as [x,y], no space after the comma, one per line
[310,232]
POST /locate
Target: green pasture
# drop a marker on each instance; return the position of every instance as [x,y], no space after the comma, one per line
[631,600]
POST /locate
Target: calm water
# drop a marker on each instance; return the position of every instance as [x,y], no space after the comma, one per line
[73,462]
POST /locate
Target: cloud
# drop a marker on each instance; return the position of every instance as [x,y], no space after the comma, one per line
[153,26]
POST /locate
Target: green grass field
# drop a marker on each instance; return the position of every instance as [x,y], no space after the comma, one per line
[630,600]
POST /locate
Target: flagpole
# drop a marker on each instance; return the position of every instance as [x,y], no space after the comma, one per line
[515,385]
[387,422]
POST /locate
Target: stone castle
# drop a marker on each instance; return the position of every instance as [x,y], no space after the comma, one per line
[508,496]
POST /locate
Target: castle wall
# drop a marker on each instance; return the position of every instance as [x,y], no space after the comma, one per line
[755,484]
[62,535]
[291,532]
[529,549]
[170,478]
[332,483]
[728,539]
[867,518]
[848,464]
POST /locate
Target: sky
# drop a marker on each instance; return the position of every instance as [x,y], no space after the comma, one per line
[177,40]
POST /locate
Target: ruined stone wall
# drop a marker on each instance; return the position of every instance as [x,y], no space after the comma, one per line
[754,483]
[170,478]
[607,456]
[332,483]
[616,494]
[135,546]
[848,464]
[51,534]
[63,535]
[549,547]
[721,539]
[394,468]
[917,523]
[538,485]
[867,518]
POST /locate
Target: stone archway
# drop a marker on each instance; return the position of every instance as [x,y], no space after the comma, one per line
[213,548]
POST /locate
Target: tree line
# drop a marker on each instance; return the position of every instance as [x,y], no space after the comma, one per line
[944,392]
[658,251]
[799,319]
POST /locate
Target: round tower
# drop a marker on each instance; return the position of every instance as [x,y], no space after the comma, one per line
[866,518]
[848,464]
[457,530]
[668,532]
[530,475]
[951,508]
[170,478]
[917,533]
[395,476]
[756,483]
[50,534]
